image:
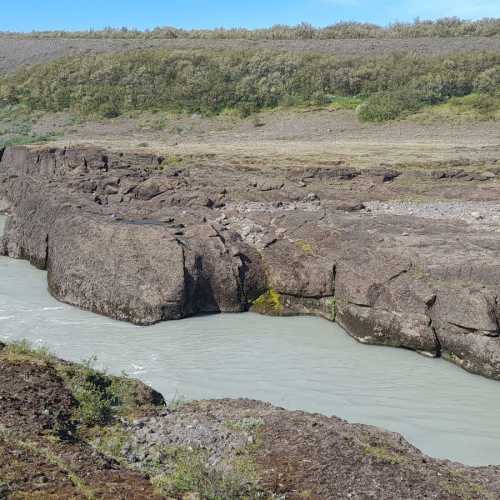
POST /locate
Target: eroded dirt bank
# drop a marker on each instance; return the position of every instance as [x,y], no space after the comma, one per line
[143,237]
[68,431]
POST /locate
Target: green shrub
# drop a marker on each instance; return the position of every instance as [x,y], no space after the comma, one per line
[390,105]
[100,396]
[93,391]
[484,104]
[192,473]
[208,82]
[488,81]
[21,347]
[23,351]
[480,104]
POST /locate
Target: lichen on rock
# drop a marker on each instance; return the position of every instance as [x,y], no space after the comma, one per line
[268,303]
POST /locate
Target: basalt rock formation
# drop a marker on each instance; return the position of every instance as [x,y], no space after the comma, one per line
[134,237]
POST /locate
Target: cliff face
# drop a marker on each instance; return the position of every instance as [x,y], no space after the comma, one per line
[133,237]
[129,266]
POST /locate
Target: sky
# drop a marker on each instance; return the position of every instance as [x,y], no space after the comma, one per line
[28,15]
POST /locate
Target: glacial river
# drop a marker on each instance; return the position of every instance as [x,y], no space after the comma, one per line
[298,363]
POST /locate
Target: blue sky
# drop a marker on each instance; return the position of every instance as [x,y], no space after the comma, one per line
[27,15]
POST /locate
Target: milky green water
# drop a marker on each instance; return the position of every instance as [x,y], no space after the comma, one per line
[299,363]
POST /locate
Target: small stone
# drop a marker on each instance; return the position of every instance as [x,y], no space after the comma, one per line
[311,197]
[486,176]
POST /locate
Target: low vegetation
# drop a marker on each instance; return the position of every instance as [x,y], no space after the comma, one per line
[445,27]
[248,424]
[191,472]
[109,85]
[179,470]
[481,95]
[100,396]
[18,125]
[331,307]
[384,455]
[472,107]
[104,407]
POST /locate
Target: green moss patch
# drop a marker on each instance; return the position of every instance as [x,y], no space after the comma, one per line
[305,246]
[331,305]
[268,303]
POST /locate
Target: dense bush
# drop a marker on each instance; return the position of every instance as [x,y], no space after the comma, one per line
[207,82]
[484,105]
[445,27]
[488,81]
[385,106]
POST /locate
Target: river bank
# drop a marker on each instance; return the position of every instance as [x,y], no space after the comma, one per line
[302,363]
[70,431]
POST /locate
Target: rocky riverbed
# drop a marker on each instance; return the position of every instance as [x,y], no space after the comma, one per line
[142,237]
[69,431]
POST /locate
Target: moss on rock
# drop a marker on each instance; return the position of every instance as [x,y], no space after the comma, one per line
[268,303]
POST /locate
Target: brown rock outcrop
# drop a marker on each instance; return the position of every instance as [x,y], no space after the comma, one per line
[122,236]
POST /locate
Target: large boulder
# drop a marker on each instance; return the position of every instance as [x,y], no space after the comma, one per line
[127,271]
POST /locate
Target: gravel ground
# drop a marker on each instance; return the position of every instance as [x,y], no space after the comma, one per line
[471,212]
[16,52]
[171,429]
[289,139]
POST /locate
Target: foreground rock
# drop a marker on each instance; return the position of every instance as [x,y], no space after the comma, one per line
[58,441]
[41,452]
[130,236]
